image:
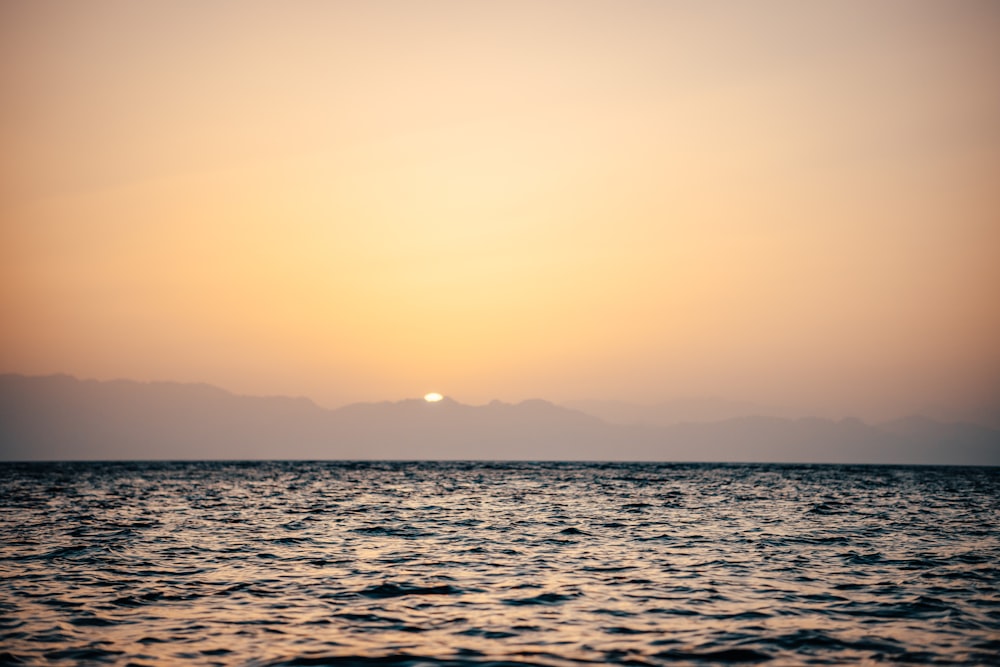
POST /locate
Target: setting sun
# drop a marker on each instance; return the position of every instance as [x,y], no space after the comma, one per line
[433,397]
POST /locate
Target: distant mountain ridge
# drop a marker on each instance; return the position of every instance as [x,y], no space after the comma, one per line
[677,411]
[62,418]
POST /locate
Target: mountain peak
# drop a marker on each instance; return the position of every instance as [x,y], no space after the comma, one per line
[61,418]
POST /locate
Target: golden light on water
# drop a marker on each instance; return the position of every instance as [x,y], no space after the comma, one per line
[433,397]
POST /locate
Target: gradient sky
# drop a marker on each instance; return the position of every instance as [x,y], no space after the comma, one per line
[794,203]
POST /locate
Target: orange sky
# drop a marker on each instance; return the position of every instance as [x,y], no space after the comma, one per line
[784,202]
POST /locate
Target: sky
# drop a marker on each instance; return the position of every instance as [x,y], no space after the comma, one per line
[788,203]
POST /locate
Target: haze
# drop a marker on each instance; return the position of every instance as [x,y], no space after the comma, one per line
[794,204]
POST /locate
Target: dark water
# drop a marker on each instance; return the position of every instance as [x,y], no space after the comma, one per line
[467,564]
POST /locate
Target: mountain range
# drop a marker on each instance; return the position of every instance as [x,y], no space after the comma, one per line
[677,411]
[63,418]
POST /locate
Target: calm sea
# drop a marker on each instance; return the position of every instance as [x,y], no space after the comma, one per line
[299,563]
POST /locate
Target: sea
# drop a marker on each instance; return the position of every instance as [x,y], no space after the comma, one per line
[273,563]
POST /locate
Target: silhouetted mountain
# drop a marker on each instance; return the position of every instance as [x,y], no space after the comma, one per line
[62,418]
[926,434]
[829,441]
[677,411]
[450,430]
[986,415]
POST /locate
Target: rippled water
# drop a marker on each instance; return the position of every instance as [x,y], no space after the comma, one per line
[467,563]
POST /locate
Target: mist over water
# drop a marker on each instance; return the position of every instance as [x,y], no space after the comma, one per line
[302,563]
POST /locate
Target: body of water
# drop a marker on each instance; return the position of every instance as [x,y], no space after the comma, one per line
[312,563]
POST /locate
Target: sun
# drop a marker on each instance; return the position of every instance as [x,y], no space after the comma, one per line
[433,397]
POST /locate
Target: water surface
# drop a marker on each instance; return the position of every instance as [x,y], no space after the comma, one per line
[299,563]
